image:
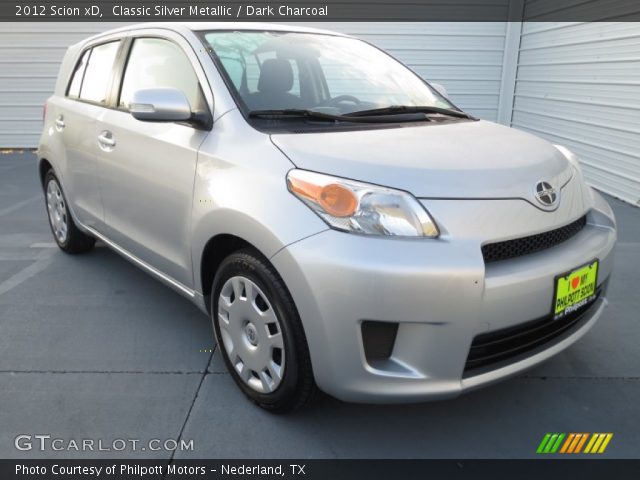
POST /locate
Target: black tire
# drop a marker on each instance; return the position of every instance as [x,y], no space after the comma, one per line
[297,386]
[75,241]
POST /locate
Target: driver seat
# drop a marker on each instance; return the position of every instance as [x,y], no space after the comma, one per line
[274,83]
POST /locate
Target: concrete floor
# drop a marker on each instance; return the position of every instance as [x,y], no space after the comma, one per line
[92,347]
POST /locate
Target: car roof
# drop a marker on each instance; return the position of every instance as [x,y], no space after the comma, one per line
[181,27]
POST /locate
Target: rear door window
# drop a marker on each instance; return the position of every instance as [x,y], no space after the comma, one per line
[97,74]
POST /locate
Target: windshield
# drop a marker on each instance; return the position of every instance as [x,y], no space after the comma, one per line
[324,73]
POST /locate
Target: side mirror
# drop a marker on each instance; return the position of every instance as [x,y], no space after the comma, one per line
[440,89]
[160,105]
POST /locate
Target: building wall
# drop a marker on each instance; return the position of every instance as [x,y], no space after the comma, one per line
[579,85]
[30,54]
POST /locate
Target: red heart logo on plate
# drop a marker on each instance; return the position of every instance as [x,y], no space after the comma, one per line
[575,282]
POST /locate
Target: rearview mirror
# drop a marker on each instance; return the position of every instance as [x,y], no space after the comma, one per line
[160,105]
[440,89]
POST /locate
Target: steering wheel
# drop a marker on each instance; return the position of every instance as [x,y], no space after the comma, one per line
[333,102]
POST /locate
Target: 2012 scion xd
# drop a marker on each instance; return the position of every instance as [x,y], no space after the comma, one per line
[344,224]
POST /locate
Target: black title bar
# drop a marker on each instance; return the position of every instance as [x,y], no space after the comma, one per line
[537,469]
[322,10]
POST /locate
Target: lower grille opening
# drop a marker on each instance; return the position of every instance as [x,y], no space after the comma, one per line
[490,350]
[378,339]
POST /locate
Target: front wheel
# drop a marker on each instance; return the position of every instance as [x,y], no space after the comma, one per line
[260,333]
[65,232]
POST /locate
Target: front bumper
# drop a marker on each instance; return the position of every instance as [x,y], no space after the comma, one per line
[439,292]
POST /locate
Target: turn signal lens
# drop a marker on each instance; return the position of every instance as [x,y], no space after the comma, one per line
[335,199]
[361,208]
[338,201]
[303,188]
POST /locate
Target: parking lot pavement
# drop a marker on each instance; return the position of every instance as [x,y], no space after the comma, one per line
[91,347]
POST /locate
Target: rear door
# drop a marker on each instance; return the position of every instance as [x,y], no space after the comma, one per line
[147,169]
[76,120]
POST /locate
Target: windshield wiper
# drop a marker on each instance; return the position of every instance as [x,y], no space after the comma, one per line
[407,109]
[313,114]
[293,112]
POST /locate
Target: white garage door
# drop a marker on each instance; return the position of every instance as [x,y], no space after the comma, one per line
[30,54]
[465,57]
[579,85]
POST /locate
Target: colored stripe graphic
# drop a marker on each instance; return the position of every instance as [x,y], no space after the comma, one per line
[590,444]
[556,445]
[567,442]
[550,443]
[543,443]
[598,443]
[581,443]
[573,443]
[604,445]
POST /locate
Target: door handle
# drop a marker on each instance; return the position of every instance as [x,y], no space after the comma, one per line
[60,122]
[106,141]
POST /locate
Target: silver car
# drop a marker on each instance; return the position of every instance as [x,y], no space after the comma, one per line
[344,224]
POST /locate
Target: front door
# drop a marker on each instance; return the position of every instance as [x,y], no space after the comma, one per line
[147,169]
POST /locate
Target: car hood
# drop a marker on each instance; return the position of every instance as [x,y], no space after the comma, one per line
[476,159]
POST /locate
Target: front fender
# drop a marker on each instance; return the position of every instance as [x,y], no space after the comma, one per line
[240,189]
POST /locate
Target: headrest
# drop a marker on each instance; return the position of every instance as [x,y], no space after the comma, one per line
[276,76]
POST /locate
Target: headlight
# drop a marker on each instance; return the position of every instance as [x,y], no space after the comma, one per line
[361,208]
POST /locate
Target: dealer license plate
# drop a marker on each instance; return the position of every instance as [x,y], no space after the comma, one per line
[575,289]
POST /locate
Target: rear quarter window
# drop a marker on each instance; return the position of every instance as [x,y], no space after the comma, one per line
[78,74]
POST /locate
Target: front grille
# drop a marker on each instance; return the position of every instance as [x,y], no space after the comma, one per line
[493,252]
[489,350]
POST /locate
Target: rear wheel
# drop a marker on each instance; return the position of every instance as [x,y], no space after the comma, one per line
[65,232]
[260,333]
